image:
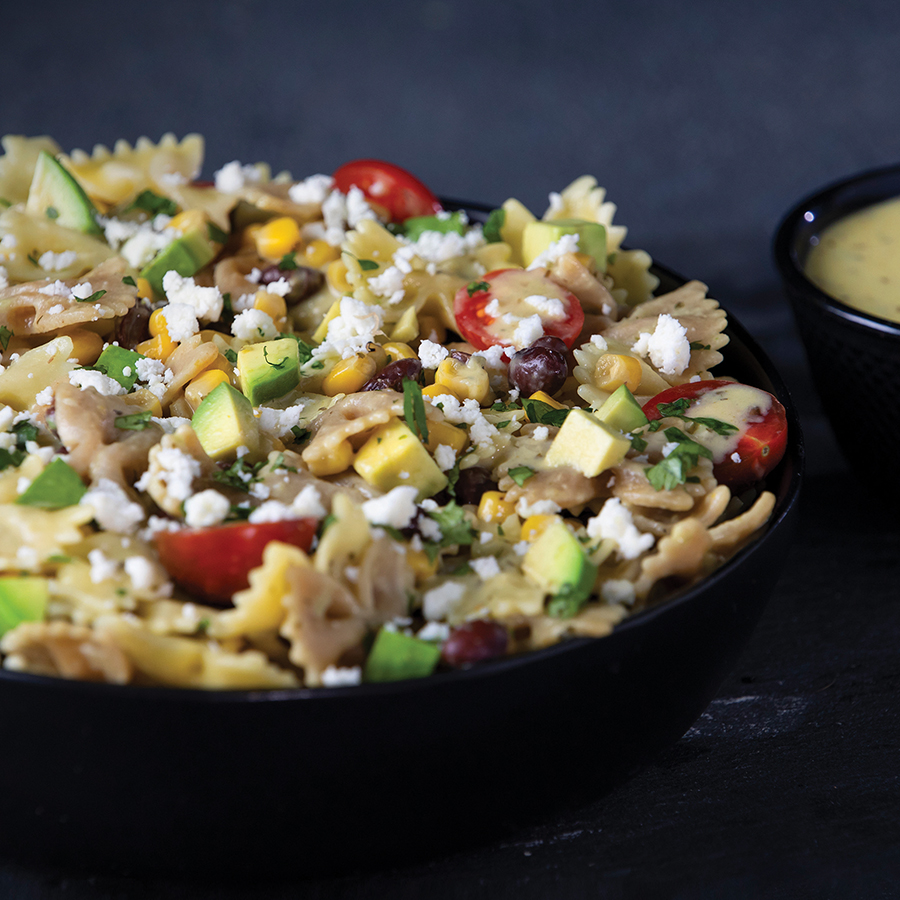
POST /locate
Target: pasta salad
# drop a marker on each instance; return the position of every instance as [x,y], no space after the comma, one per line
[261,432]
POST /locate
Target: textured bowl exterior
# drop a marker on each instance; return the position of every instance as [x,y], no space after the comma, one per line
[293,782]
[854,357]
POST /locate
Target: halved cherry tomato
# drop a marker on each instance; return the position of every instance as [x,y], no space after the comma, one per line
[212,563]
[742,458]
[489,311]
[394,189]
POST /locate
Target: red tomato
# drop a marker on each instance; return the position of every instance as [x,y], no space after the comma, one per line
[509,288]
[212,563]
[388,186]
[761,440]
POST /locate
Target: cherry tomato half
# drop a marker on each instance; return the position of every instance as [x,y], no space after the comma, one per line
[212,563]
[490,310]
[390,187]
[743,458]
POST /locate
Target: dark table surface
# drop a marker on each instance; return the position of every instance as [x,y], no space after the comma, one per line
[705,122]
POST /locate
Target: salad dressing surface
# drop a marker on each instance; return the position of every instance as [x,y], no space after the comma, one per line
[857,260]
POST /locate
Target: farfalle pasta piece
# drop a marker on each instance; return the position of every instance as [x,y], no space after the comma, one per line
[384,581]
[115,176]
[732,533]
[585,199]
[20,155]
[595,620]
[587,357]
[36,370]
[30,536]
[681,553]
[633,282]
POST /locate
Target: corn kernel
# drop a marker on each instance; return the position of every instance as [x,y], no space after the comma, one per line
[273,305]
[534,526]
[612,370]
[436,390]
[277,237]
[336,275]
[338,461]
[158,347]
[422,567]
[144,291]
[319,253]
[494,507]
[348,375]
[144,399]
[87,346]
[200,386]
[544,397]
[398,350]
[468,380]
[157,323]
[189,220]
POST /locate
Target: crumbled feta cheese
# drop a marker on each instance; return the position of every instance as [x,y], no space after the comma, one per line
[735,457]
[44,397]
[343,676]
[668,347]
[440,601]
[599,342]
[431,354]
[102,567]
[4,276]
[541,433]
[340,211]
[207,302]
[395,509]
[617,590]
[434,631]
[568,243]
[281,287]
[57,289]
[103,384]
[232,177]
[388,284]
[539,508]
[438,247]
[614,522]
[181,321]
[445,457]
[176,469]
[146,241]
[82,290]
[113,509]
[206,508]
[528,330]
[279,422]
[142,572]
[308,503]
[53,262]
[549,307]
[313,189]
[254,325]
[485,567]
[351,331]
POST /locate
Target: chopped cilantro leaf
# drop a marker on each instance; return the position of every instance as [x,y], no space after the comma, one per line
[541,413]
[673,470]
[455,528]
[52,212]
[288,261]
[367,265]
[414,409]
[92,299]
[215,233]
[565,604]
[231,356]
[492,226]
[275,365]
[521,474]
[696,345]
[300,434]
[240,474]
[154,204]
[135,422]
[473,287]
[5,335]
[129,281]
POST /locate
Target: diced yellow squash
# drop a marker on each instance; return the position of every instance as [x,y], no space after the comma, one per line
[587,444]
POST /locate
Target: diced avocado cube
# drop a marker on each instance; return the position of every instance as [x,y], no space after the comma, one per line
[415,227]
[23,598]
[537,237]
[224,422]
[587,444]
[622,411]
[56,194]
[394,456]
[557,563]
[187,255]
[516,217]
[395,656]
[269,369]
[58,486]
[116,362]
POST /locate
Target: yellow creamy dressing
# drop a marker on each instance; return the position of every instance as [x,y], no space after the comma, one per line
[857,260]
[738,404]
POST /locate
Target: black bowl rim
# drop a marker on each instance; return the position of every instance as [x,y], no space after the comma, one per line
[784,250]
[795,454]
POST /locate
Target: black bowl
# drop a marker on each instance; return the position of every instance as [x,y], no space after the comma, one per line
[854,357]
[301,781]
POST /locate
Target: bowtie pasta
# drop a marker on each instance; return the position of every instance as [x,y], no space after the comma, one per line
[261,432]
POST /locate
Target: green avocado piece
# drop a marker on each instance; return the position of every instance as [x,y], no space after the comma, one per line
[116,361]
[56,194]
[415,227]
[187,255]
[23,598]
[622,411]
[395,656]
[224,422]
[58,486]
[269,370]
[538,236]
[556,562]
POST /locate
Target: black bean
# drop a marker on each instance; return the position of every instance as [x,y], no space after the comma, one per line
[472,483]
[538,369]
[133,327]
[303,281]
[474,642]
[390,378]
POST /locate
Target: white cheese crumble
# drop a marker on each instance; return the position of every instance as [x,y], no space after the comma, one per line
[207,302]
[617,590]
[524,509]
[53,262]
[206,508]
[614,522]
[279,422]
[568,243]
[102,567]
[351,331]
[232,177]
[44,397]
[141,572]
[395,509]
[311,190]
[254,325]
[307,503]
[445,457]
[434,631]
[177,471]
[440,601]
[438,247]
[388,284]
[431,354]
[341,676]
[485,567]
[113,509]
[341,211]
[181,321]
[668,347]
[103,384]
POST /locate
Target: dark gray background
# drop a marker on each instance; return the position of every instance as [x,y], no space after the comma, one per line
[705,121]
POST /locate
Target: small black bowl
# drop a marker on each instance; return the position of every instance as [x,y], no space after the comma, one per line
[265,784]
[854,357]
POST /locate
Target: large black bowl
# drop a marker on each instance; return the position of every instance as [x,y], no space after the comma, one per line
[854,357]
[296,781]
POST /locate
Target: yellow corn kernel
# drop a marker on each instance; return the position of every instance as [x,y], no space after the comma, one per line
[494,507]
[86,346]
[348,376]
[189,220]
[144,399]
[435,390]
[157,323]
[200,386]
[338,461]
[277,237]
[273,305]
[534,526]
[144,291]
[319,253]
[612,370]
[468,380]
[544,397]
[158,347]
[336,275]
[398,350]
[431,328]
[422,567]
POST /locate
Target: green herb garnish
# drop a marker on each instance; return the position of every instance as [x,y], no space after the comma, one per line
[275,365]
[153,203]
[52,212]
[521,474]
[473,287]
[5,335]
[668,473]
[492,226]
[215,233]
[677,410]
[414,409]
[92,299]
[134,422]
[129,281]
[367,265]
[288,261]
[541,413]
